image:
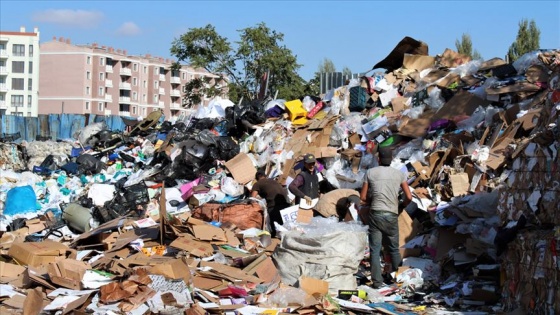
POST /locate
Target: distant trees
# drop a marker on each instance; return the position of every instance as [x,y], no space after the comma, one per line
[326,66]
[527,40]
[464,47]
[259,63]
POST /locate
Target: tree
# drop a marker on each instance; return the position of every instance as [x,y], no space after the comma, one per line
[258,64]
[346,71]
[326,66]
[464,47]
[527,40]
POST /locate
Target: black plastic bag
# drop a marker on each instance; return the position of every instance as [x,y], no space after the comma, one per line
[89,164]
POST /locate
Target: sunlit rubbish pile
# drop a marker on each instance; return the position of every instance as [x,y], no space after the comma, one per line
[158,219]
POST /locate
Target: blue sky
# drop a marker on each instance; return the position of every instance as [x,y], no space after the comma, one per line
[356,34]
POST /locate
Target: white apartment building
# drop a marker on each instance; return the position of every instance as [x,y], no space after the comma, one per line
[19,72]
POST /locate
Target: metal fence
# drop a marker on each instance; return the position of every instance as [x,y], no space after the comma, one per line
[333,80]
[52,127]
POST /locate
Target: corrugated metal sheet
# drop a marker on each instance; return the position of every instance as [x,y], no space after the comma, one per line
[55,126]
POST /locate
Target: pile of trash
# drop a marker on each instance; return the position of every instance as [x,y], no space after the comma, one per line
[159,220]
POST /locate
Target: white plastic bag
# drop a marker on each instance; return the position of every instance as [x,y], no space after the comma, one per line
[229,186]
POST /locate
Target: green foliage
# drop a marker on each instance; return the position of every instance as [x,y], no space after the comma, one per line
[259,54]
[326,66]
[346,71]
[527,40]
[464,46]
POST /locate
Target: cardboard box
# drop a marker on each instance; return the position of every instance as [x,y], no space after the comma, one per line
[314,286]
[37,253]
[241,168]
[68,273]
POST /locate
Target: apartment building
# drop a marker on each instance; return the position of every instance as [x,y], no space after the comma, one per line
[101,80]
[19,72]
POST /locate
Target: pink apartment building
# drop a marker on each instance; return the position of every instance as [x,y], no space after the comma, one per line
[93,79]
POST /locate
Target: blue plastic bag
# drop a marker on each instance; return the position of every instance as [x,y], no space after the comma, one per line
[20,200]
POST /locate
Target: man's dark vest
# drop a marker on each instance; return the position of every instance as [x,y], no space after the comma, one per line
[310,184]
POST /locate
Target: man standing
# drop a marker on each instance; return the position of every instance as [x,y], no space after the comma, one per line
[337,202]
[275,195]
[380,190]
[306,184]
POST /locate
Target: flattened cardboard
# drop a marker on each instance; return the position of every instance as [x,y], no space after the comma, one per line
[461,104]
[241,168]
[513,88]
[452,59]
[313,286]
[415,128]
[459,184]
[407,231]
[37,253]
[33,303]
[196,248]
[206,283]
[266,271]
[447,239]
[491,63]
[173,269]
[407,45]
[68,273]
[418,62]
[10,272]
[230,272]
[207,232]
[304,216]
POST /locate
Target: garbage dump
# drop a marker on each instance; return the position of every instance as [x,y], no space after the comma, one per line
[161,218]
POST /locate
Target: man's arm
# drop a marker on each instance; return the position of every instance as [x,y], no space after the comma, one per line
[364,192]
[294,187]
[254,193]
[407,194]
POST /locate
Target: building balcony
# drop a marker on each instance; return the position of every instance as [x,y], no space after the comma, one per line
[161,91]
[175,80]
[3,87]
[124,99]
[3,70]
[4,53]
[125,71]
[124,113]
[107,112]
[124,86]
[3,105]
[175,105]
[109,68]
[162,77]
[175,93]
[108,83]
[108,97]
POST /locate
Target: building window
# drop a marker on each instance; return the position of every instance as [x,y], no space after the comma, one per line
[101,90]
[28,114]
[145,69]
[145,84]
[87,90]
[30,50]
[30,70]
[184,75]
[144,111]
[17,84]
[134,110]
[101,76]
[18,66]
[17,100]
[134,96]
[29,100]
[29,84]
[144,97]
[100,106]
[18,50]
[155,98]
[156,70]
[135,67]
[88,60]
[87,105]
[156,84]
[134,81]
[88,75]
[101,61]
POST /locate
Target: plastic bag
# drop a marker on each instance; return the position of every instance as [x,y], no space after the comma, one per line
[435,101]
[468,68]
[20,200]
[411,277]
[472,122]
[308,103]
[284,296]
[527,60]
[229,186]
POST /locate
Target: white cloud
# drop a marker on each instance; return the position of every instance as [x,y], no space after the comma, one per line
[128,29]
[68,17]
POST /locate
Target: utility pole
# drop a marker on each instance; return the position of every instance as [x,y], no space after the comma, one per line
[62,107]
